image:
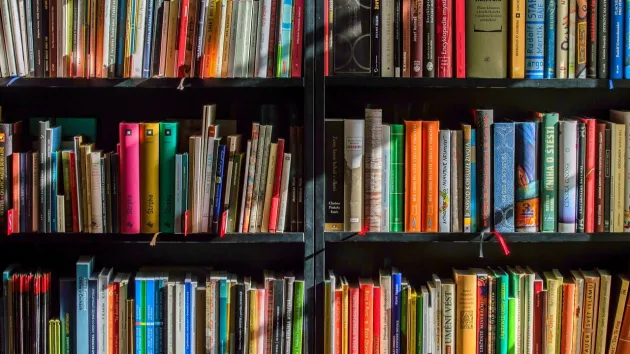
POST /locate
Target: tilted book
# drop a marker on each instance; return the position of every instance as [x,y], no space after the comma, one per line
[373,168]
[527,206]
[284,193]
[353,175]
[504,146]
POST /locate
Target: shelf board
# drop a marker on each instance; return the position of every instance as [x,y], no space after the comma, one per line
[232,238]
[561,237]
[539,237]
[165,83]
[390,82]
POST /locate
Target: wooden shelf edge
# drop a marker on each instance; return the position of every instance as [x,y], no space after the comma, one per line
[232,238]
[164,83]
[539,237]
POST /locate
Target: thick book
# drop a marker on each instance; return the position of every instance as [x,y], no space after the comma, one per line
[397,178]
[353,184]
[504,163]
[549,176]
[354,59]
[167,149]
[444,184]
[385,177]
[428,32]
[562,39]
[483,120]
[130,180]
[373,169]
[550,39]
[623,117]
[618,180]
[535,39]
[607,178]
[413,176]
[580,51]
[466,307]
[567,186]
[616,35]
[430,176]
[527,206]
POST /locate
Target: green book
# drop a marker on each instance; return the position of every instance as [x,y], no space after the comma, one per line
[549,172]
[397,170]
[419,321]
[502,311]
[514,310]
[298,313]
[168,149]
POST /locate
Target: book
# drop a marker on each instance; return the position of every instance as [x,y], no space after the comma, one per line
[444,35]
[567,217]
[562,39]
[430,176]
[413,175]
[129,186]
[591,300]
[444,184]
[517,42]
[385,177]
[504,163]
[334,176]
[457,181]
[373,169]
[572,38]
[619,313]
[549,177]
[616,35]
[428,38]
[568,309]
[353,188]
[602,312]
[591,42]
[623,117]
[84,268]
[581,31]
[535,39]
[527,207]
[600,179]
[168,149]
[483,120]
[466,309]
[359,63]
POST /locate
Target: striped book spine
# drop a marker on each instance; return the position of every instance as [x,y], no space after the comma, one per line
[535,39]
[373,168]
[550,172]
[397,169]
[504,143]
[527,208]
[550,38]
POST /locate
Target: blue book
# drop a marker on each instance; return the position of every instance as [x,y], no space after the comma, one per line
[141,328]
[223,315]
[284,42]
[121,32]
[54,162]
[7,307]
[160,292]
[67,310]
[616,39]
[187,315]
[527,208]
[92,316]
[473,181]
[535,39]
[150,313]
[504,139]
[53,144]
[85,264]
[550,39]
[218,200]
[148,39]
[396,310]
[626,31]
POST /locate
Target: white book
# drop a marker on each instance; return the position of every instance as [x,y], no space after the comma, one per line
[386,310]
[528,314]
[180,301]
[385,178]
[61,209]
[387,38]
[244,189]
[26,7]
[567,162]
[18,43]
[431,318]
[221,38]
[239,33]
[437,314]
[425,323]
[448,316]
[623,117]
[243,56]
[253,34]
[562,37]
[102,310]
[284,193]
[108,30]
[170,317]
[8,36]
[138,50]
[205,216]
[263,39]
[97,197]
[353,201]
[373,167]
[257,178]
[572,43]
[445,181]
[4,65]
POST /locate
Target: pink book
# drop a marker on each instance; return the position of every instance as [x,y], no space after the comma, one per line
[275,196]
[444,37]
[130,177]
[296,48]
[460,39]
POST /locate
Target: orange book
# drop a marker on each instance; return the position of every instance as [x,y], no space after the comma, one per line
[589,319]
[568,309]
[16,192]
[430,162]
[413,176]
[353,328]
[110,319]
[366,325]
[337,319]
[623,347]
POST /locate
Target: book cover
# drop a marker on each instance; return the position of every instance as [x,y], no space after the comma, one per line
[616,35]
[334,175]
[130,180]
[444,35]
[527,208]
[504,167]
[567,162]
[580,53]
[623,117]
[535,39]
[429,41]
[444,202]
[562,39]
[167,149]
[517,42]
[467,176]
[460,37]
[483,120]
[353,175]
[591,41]
[549,177]
[373,167]
[351,59]
[466,311]
[413,173]
[457,181]
[430,176]
[385,177]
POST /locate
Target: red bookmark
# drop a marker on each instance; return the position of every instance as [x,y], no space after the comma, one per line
[9,222]
[186,223]
[223,223]
[504,245]
[364,230]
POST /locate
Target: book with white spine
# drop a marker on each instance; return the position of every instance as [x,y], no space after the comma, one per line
[221,38]
[244,189]
[385,178]
[240,66]
[97,196]
[284,193]
[8,36]
[263,177]
[567,162]
[623,117]
[138,50]
[102,310]
[445,182]
[373,166]
[17,38]
[262,55]
[385,305]
[353,171]
[253,33]
[562,39]
[243,57]
[26,6]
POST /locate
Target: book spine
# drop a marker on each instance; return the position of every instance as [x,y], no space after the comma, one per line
[444,34]
[608,195]
[619,314]
[591,43]
[366,320]
[417,20]
[296,41]
[550,39]
[460,39]
[149,289]
[129,186]
[482,314]
[353,186]
[377,321]
[474,219]
[562,39]
[396,312]
[618,180]
[387,38]
[527,207]
[550,172]
[97,197]
[216,222]
[617,39]
[284,194]
[580,68]
[568,310]
[284,39]
[457,181]
[467,158]
[53,195]
[273,33]
[398,50]
[429,38]
[567,162]
[466,303]
[535,39]
[572,41]
[581,177]
[517,44]
[430,176]
[589,329]
[373,168]
[115,191]
[52,32]
[413,178]
[93,317]
[504,162]
[148,38]
[150,177]
[602,313]
[483,120]
[445,181]
[397,178]
[603,16]
[385,178]
[167,150]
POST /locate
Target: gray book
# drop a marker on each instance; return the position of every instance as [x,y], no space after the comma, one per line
[236,4]
[263,177]
[253,41]
[178,193]
[43,170]
[253,223]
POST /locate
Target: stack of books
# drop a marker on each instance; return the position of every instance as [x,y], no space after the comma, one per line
[531,39]
[543,174]
[479,310]
[151,38]
[157,310]
[214,181]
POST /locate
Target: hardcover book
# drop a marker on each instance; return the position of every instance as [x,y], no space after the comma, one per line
[567,162]
[483,120]
[397,192]
[150,176]
[535,39]
[550,39]
[129,186]
[373,168]
[334,175]
[517,42]
[353,175]
[444,35]
[352,38]
[623,117]
[562,39]
[168,149]
[457,182]
[444,202]
[549,176]
[413,179]
[527,207]
[385,177]
[504,166]
[430,175]
[580,53]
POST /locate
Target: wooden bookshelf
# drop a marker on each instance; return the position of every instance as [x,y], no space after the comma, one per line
[162,83]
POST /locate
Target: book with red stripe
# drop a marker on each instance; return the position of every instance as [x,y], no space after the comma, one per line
[181,42]
[538,315]
[296,41]
[366,299]
[277,181]
[589,195]
[130,180]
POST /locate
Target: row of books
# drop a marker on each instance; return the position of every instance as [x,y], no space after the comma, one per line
[151,38]
[147,186]
[532,39]
[545,174]
[157,310]
[479,310]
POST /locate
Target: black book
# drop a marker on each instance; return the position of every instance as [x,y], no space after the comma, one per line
[334,157]
[300,179]
[591,40]
[234,315]
[92,316]
[289,282]
[429,38]
[292,219]
[398,38]
[121,33]
[278,316]
[352,42]
[45,304]
[38,37]
[375,35]
[240,318]
[607,172]
[23,196]
[28,188]
[602,39]
[581,176]
[46,34]
[114,163]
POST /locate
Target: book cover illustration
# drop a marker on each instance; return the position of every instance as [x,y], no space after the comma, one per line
[527,201]
[504,171]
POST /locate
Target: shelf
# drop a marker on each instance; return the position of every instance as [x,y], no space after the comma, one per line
[390,82]
[164,83]
[396,237]
[561,237]
[234,238]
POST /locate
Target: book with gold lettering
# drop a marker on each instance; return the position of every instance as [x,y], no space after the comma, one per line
[149,177]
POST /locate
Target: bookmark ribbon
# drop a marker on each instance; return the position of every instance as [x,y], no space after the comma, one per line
[504,245]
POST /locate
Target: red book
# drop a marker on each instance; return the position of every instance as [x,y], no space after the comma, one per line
[114,319]
[568,309]
[130,178]
[538,316]
[326,37]
[338,318]
[376,320]
[273,28]
[181,42]
[417,21]
[366,299]
[443,38]
[296,41]
[589,195]
[353,326]
[73,193]
[16,192]
[460,39]
[600,172]
[275,196]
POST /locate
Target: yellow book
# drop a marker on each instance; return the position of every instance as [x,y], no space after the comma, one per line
[213,17]
[602,313]
[618,177]
[149,177]
[554,307]
[621,305]
[171,41]
[412,321]
[345,320]
[129,37]
[466,310]
[273,152]
[517,44]
[253,321]
[86,151]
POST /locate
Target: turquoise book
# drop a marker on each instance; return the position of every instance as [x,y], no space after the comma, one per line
[549,174]
[141,328]
[7,307]
[527,207]
[284,42]
[502,311]
[223,296]
[168,149]
[535,39]
[85,264]
[503,158]
[149,287]
[473,181]
[550,39]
